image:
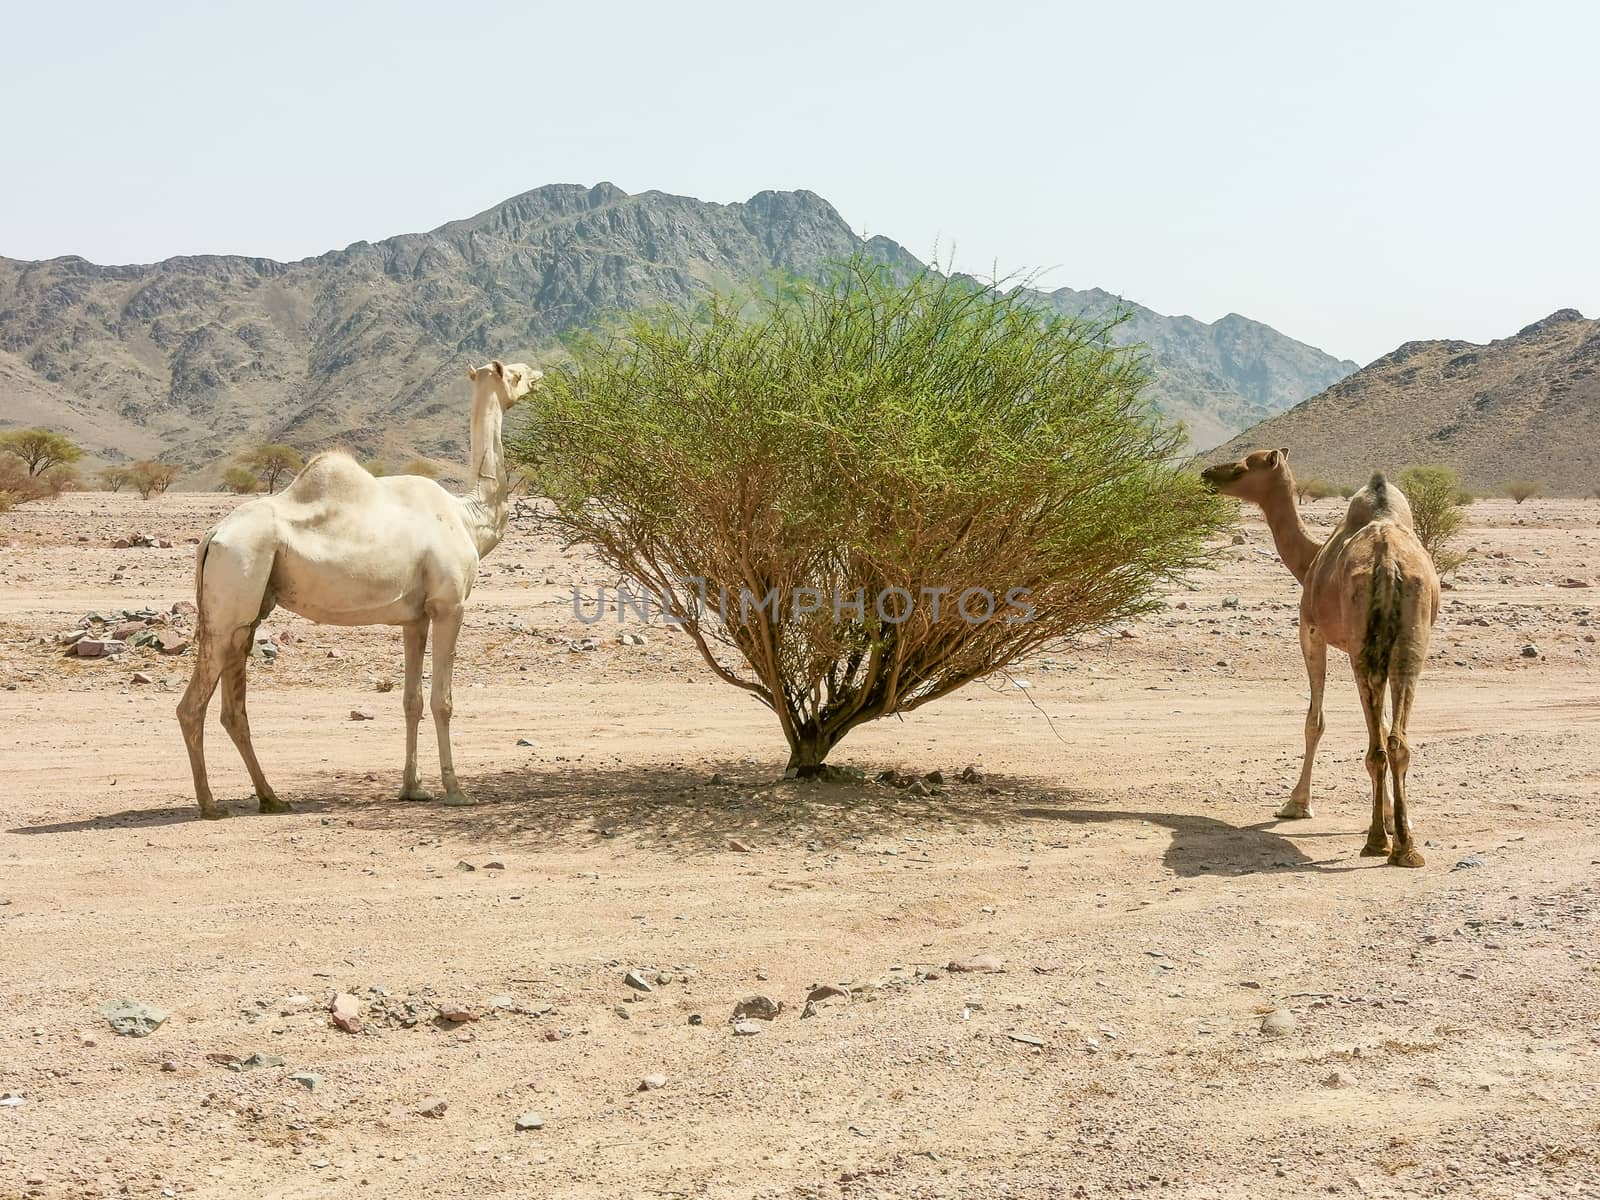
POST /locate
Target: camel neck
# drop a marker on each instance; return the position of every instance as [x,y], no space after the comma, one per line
[1295,546]
[485,503]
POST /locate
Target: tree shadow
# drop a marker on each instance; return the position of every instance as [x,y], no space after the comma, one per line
[678,810]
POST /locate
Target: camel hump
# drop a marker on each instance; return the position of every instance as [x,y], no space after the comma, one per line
[1379,487]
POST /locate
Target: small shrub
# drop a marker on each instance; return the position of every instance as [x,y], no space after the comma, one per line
[375,468]
[149,477]
[1522,489]
[1434,493]
[1316,489]
[1346,491]
[241,481]
[420,466]
[114,479]
[17,484]
[63,477]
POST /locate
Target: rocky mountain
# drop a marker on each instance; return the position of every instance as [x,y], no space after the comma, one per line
[197,356]
[1523,407]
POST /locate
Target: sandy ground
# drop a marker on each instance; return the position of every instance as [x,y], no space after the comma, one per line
[1121,861]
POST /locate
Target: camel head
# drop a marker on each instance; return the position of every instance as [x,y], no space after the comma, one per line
[510,383]
[1252,477]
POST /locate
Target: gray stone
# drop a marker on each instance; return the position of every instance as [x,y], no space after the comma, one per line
[1339,1079]
[309,1080]
[1279,1022]
[651,1083]
[976,964]
[133,1018]
[637,981]
[1470,861]
[433,1107]
[1530,651]
[747,1028]
[762,1008]
[529,1120]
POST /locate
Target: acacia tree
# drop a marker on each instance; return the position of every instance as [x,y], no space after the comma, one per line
[849,484]
[241,480]
[40,449]
[114,479]
[1435,497]
[1522,489]
[272,461]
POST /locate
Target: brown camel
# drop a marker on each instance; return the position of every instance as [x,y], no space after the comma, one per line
[1370,590]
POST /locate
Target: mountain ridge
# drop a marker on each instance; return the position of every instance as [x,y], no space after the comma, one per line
[362,345]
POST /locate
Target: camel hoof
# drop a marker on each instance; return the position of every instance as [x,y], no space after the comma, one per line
[1293,811]
[1378,850]
[415,793]
[1406,858]
[271,804]
[458,800]
[213,814]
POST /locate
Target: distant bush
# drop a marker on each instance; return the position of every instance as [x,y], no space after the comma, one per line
[375,468]
[19,486]
[1435,496]
[149,477]
[1464,498]
[114,479]
[241,481]
[63,477]
[1317,489]
[1522,489]
[420,466]
[1346,491]
[272,461]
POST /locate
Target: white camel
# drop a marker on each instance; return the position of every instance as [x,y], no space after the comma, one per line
[343,548]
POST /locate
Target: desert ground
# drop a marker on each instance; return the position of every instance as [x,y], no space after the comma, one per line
[1118,858]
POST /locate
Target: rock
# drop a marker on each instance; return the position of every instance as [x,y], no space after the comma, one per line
[11,1100]
[918,788]
[762,1008]
[127,629]
[357,714]
[833,774]
[346,1012]
[747,1028]
[1574,583]
[1279,1022]
[718,779]
[98,647]
[651,1083]
[1027,1039]
[1339,1079]
[68,637]
[495,865]
[663,976]
[696,1019]
[977,963]
[1530,651]
[1239,539]
[633,639]
[169,1065]
[824,992]
[637,981]
[529,1120]
[524,741]
[1230,602]
[934,777]
[623,1011]
[253,1063]
[456,1014]
[133,1018]
[309,1080]
[184,608]
[433,1107]
[141,677]
[464,865]
[738,846]
[170,641]
[1467,863]
[971,774]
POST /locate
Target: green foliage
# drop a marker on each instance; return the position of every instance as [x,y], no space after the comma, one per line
[241,481]
[862,435]
[1522,489]
[1346,491]
[1314,489]
[39,449]
[272,461]
[1435,496]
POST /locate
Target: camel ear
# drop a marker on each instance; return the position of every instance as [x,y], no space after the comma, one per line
[1283,454]
[498,367]
[472,374]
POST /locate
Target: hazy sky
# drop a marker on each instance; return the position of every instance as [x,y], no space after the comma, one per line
[1355,174]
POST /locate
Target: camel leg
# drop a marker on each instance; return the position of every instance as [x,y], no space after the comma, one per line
[1377,764]
[1405,853]
[1315,651]
[237,721]
[446,626]
[192,719]
[416,640]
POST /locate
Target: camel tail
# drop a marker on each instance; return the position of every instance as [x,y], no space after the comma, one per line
[200,573]
[1385,624]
